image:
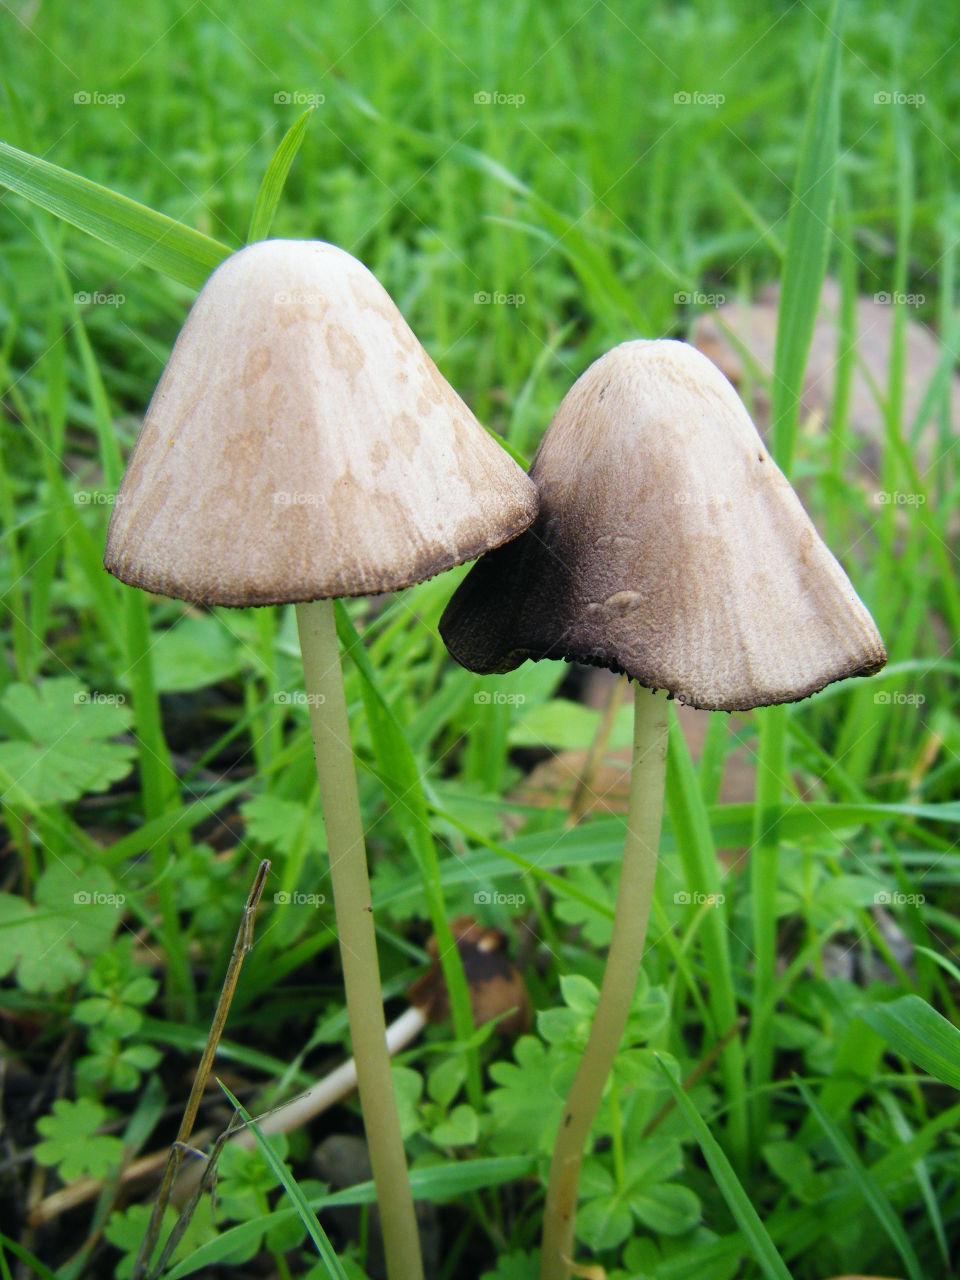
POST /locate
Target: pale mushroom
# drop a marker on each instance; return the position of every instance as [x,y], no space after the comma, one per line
[301,445]
[671,547]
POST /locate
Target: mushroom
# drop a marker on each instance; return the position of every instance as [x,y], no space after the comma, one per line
[300,446]
[670,547]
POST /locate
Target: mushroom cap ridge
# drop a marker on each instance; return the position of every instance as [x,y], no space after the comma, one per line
[669,546]
[301,444]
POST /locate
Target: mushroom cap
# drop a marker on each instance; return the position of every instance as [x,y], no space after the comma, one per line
[669,546]
[301,444]
[496,987]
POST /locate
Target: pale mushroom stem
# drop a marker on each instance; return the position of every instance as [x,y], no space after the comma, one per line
[634,896]
[336,771]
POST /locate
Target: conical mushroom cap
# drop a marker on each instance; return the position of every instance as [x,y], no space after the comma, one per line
[301,444]
[669,546]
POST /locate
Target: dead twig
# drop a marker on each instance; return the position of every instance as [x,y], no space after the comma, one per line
[243,944]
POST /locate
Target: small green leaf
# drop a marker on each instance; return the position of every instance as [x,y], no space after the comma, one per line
[76,913]
[59,746]
[562,1026]
[656,1159]
[638,1069]
[446,1080]
[595,926]
[125,1231]
[525,1110]
[459,1129]
[140,990]
[72,1143]
[666,1207]
[514,1266]
[579,994]
[119,1019]
[143,1057]
[792,1164]
[408,1088]
[276,823]
[603,1223]
[563,725]
[195,653]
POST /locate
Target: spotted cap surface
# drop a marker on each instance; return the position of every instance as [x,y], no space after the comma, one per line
[301,444]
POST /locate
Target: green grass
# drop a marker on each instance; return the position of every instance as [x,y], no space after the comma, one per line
[592,204]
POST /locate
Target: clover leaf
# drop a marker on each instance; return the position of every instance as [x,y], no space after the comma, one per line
[59,740]
[75,915]
[72,1142]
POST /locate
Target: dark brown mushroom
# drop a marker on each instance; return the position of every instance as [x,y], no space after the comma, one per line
[671,547]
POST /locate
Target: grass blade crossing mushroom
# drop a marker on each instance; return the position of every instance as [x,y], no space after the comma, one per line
[301,446]
[669,546]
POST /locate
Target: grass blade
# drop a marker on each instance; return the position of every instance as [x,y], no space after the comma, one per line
[150,237]
[762,1247]
[26,1257]
[271,188]
[691,826]
[306,1215]
[804,268]
[808,243]
[868,1187]
[427,1184]
[911,1027]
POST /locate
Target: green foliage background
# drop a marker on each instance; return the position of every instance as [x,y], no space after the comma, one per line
[152,754]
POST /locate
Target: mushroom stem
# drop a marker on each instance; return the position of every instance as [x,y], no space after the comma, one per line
[358,946]
[619,980]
